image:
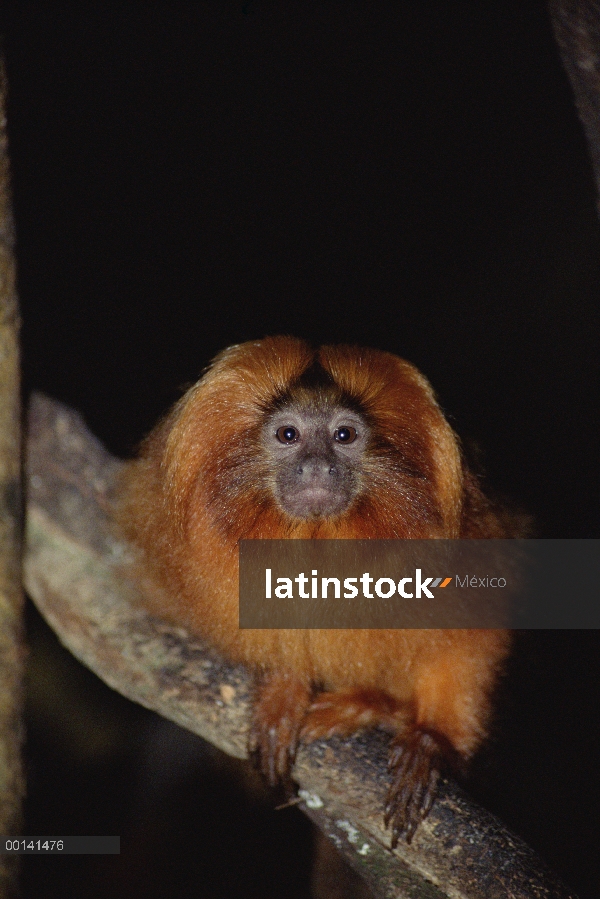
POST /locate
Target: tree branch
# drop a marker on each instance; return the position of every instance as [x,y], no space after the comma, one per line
[576,25]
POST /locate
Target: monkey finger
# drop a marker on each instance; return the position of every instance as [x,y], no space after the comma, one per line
[415,766]
[272,750]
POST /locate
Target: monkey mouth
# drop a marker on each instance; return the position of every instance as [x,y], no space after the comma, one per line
[314,502]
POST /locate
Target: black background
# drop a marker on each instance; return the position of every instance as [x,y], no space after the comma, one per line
[407,176]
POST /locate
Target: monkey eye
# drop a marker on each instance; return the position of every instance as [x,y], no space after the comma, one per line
[287,434]
[345,434]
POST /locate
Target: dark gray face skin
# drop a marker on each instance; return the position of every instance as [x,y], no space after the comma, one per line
[316,457]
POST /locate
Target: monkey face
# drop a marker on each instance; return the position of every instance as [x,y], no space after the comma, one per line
[281,441]
[315,454]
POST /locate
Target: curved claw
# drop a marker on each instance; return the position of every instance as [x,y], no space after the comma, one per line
[272,750]
[415,764]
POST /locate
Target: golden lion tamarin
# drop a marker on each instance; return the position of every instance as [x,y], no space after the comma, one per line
[279,440]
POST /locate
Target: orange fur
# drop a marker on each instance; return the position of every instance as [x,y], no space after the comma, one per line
[201,483]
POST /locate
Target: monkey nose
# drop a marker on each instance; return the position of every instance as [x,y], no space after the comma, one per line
[316,469]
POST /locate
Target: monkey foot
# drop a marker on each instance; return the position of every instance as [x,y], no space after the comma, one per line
[415,764]
[279,710]
[345,711]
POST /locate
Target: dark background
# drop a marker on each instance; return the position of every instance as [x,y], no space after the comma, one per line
[410,176]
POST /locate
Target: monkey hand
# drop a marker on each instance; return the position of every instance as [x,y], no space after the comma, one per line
[415,763]
[279,710]
[343,712]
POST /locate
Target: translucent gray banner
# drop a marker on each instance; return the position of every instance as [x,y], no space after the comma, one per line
[419,583]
